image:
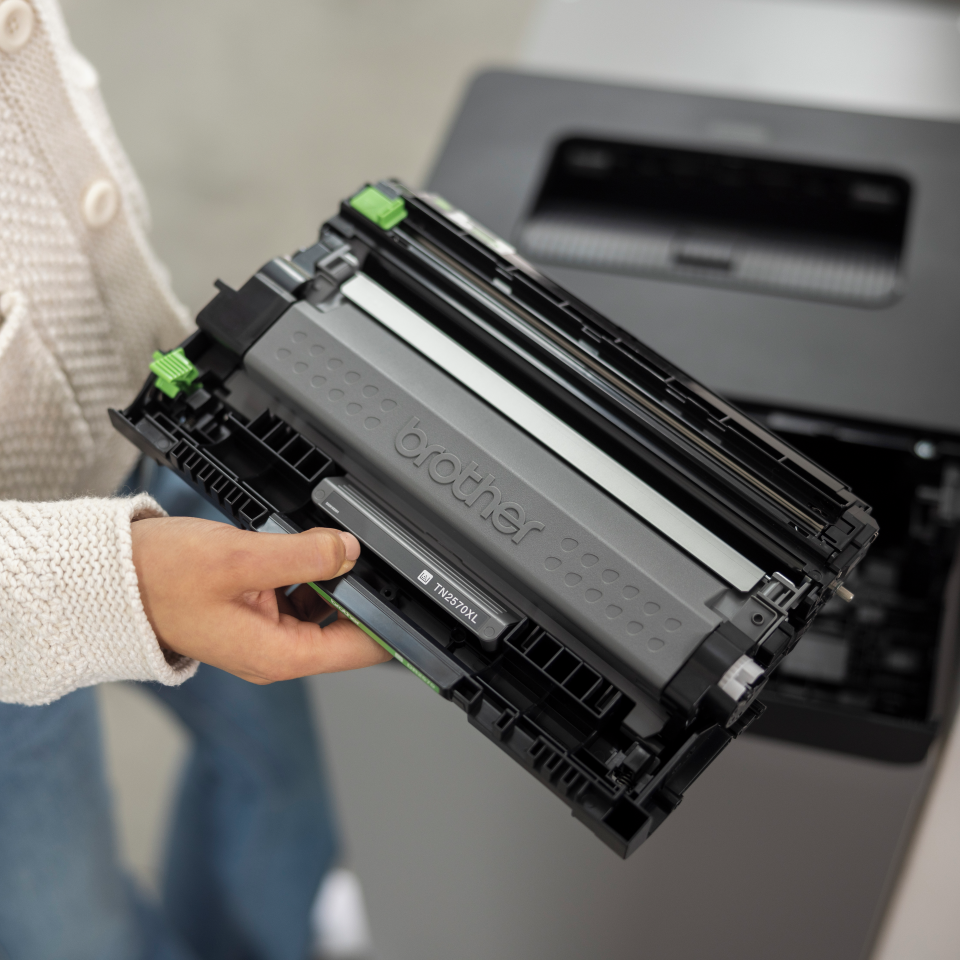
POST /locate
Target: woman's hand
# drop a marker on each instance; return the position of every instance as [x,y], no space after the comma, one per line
[214,593]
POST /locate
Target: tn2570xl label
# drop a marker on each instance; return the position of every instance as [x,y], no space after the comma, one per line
[449,597]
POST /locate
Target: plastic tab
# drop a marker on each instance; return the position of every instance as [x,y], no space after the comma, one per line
[382,210]
[174,372]
[472,606]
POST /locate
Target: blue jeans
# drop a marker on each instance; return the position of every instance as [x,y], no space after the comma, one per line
[251,837]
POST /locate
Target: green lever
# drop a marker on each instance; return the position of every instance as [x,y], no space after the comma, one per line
[174,373]
[383,211]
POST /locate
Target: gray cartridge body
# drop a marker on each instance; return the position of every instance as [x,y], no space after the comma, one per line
[577,554]
[597,559]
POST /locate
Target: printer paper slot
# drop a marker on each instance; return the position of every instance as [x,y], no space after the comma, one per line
[745,221]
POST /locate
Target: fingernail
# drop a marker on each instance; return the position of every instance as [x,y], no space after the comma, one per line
[350,544]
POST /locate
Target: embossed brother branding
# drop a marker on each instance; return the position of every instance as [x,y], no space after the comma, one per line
[465,482]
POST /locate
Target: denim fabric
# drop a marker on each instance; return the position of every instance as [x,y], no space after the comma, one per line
[251,837]
[62,894]
[253,829]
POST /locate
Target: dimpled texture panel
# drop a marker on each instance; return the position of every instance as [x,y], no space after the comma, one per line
[591,535]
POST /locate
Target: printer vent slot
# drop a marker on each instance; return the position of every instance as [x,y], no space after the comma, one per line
[582,681]
[213,481]
[566,670]
[289,445]
[562,666]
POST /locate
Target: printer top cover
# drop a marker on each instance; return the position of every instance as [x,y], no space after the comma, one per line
[596,557]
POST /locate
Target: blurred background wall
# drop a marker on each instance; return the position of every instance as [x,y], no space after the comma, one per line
[895,57]
[248,121]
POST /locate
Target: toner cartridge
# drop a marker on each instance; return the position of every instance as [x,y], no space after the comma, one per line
[593,555]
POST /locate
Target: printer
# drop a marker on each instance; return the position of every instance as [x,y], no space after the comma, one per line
[803,262]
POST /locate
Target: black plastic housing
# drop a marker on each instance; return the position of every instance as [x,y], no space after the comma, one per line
[555,714]
[620,759]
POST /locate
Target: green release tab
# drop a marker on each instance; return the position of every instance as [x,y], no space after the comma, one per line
[384,212]
[174,372]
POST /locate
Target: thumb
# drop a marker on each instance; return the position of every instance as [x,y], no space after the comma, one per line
[277,559]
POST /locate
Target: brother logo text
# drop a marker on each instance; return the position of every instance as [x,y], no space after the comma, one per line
[445,468]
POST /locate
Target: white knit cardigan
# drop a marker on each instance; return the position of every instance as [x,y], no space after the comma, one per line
[83,303]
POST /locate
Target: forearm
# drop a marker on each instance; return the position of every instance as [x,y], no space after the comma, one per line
[70,608]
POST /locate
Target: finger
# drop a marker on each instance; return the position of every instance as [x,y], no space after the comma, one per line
[293,648]
[304,603]
[264,561]
[346,647]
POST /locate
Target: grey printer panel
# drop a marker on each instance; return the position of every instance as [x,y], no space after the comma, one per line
[895,362]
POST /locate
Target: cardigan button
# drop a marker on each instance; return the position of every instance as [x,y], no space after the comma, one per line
[16,24]
[100,203]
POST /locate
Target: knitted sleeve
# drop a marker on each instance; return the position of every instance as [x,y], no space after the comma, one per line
[70,608]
